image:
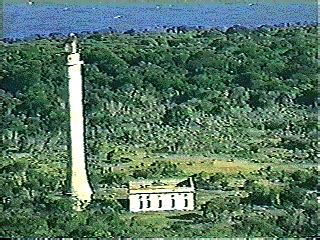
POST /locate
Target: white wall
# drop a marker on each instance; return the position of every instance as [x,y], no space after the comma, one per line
[166,198]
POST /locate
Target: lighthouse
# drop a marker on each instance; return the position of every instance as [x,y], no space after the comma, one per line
[80,187]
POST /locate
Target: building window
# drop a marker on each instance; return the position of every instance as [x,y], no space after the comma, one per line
[173,203]
[148,196]
[141,205]
[186,203]
[186,195]
[148,204]
[160,203]
[140,197]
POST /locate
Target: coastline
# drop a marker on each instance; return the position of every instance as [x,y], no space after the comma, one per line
[161,30]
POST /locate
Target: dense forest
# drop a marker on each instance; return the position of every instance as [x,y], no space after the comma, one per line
[247,95]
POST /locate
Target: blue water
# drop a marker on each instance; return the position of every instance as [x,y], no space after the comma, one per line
[22,20]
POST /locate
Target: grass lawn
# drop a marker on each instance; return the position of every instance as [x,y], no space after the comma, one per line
[196,164]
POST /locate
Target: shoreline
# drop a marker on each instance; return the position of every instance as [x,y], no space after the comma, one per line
[160,30]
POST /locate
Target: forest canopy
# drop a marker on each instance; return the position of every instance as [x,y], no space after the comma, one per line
[248,95]
[201,91]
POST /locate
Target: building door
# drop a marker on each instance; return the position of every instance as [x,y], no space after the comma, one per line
[173,203]
[186,203]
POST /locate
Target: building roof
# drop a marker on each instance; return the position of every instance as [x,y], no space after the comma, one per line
[161,186]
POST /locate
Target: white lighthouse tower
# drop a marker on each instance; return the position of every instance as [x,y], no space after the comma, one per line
[80,187]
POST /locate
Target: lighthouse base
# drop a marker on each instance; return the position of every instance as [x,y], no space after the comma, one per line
[82,199]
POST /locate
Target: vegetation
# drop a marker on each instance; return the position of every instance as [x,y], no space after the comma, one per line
[228,108]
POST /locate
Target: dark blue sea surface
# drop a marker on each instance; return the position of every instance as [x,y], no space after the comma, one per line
[23,20]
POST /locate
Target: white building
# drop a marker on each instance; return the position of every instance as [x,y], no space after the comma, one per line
[164,195]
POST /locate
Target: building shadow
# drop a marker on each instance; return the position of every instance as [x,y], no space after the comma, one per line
[186,216]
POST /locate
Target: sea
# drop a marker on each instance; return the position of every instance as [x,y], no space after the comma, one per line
[22,19]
